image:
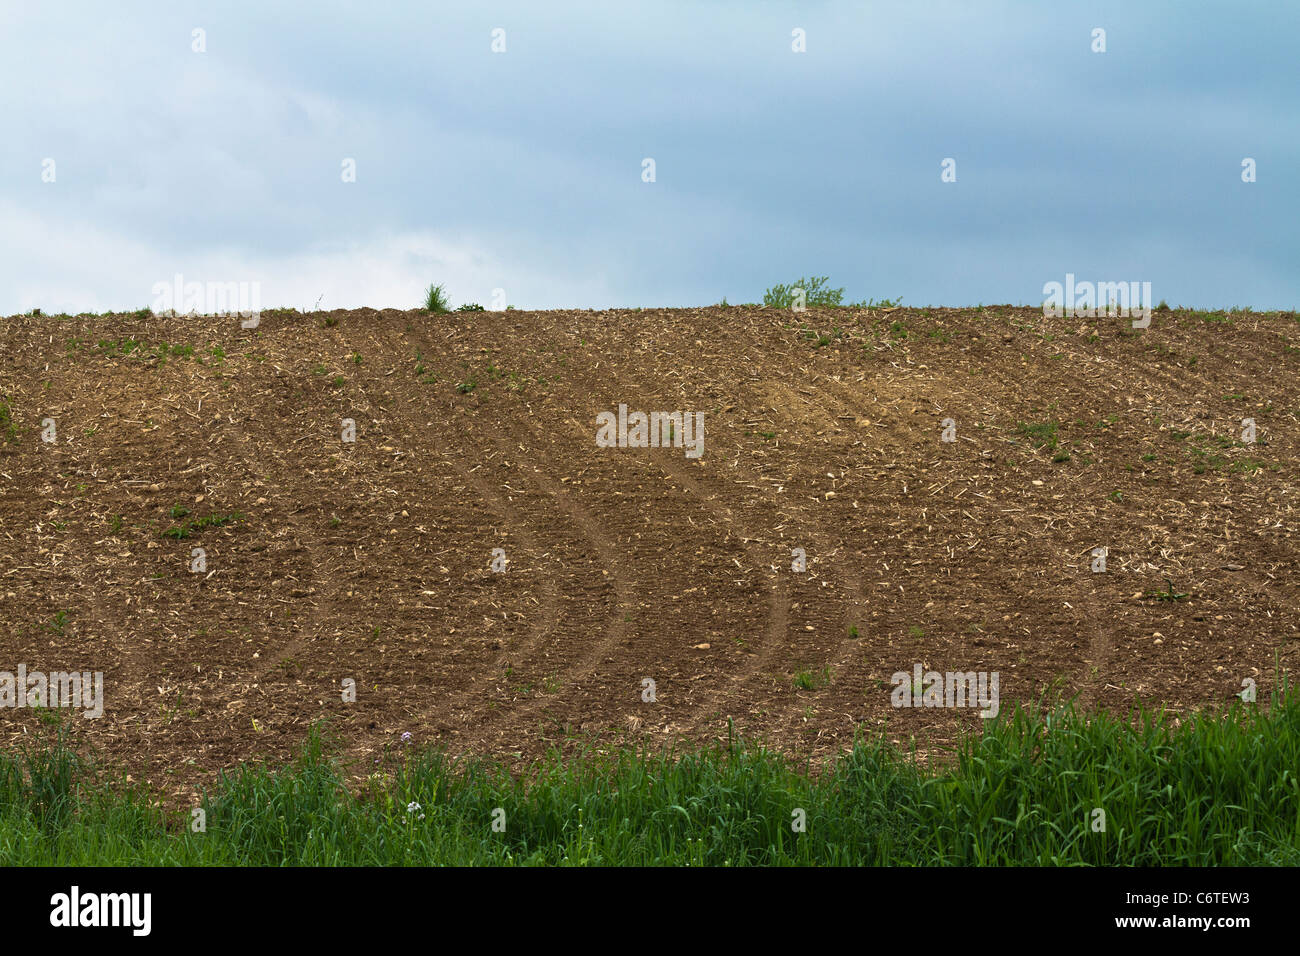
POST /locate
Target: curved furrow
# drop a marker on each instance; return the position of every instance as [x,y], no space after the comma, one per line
[532,566]
[783,511]
[584,574]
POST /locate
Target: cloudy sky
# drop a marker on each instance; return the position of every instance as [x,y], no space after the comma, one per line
[522,170]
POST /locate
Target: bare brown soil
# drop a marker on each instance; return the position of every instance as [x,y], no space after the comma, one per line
[371,560]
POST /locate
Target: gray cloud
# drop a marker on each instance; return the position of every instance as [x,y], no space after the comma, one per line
[522,170]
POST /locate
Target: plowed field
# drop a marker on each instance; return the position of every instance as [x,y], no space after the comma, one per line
[327,560]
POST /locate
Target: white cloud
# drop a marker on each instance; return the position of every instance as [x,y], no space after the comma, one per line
[68,266]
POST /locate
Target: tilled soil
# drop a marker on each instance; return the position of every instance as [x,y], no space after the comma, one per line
[372,560]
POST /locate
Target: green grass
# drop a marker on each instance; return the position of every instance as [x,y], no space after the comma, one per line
[1042,435]
[1212,790]
[135,349]
[1204,458]
[7,425]
[812,680]
[1169,594]
[435,299]
[187,529]
[820,340]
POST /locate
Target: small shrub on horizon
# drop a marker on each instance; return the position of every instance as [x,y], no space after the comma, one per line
[816,293]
